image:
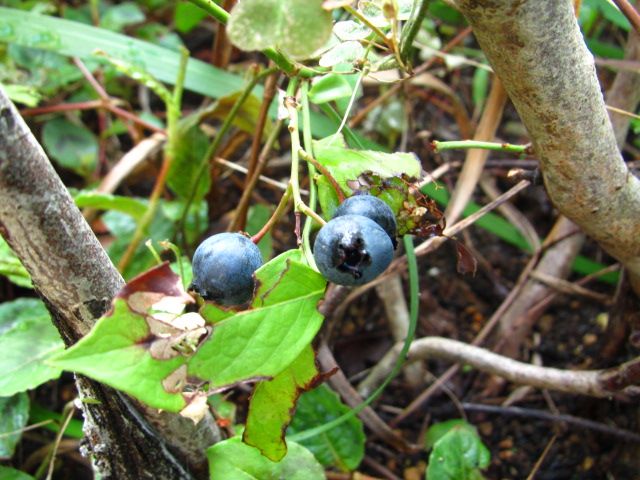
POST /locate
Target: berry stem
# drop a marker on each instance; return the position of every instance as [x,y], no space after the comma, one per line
[313,192]
[314,163]
[279,211]
[299,205]
[468,144]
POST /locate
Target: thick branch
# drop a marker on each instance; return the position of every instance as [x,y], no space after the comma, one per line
[596,383]
[537,50]
[75,278]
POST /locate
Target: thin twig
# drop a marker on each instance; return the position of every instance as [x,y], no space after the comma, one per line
[630,12]
[547,416]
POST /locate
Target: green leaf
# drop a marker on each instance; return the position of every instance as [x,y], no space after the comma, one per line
[105,201]
[297,27]
[14,414]
[25,94]
[54,421]
[264,340]
[7,473]
[255,24]
[73,39]
[185,171]
[458,452]
[273,403]
[28,339]
[329,88]
[187,16]
[233,460]
[117,17]
[11,266]
[342,446]
[116,352]
[73,146]
[257,217]
[345,52]
[351,30]
[347,165]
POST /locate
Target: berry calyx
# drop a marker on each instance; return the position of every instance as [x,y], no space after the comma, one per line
[352,250]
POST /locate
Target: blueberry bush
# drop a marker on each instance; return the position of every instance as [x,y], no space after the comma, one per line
[192,304]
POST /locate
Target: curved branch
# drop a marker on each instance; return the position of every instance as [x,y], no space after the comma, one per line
[538,52]
[596,383]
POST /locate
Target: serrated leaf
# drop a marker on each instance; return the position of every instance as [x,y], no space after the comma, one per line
[72,146]
[28,339]
[273,402]
[232,459]
[11,266]
[297,27]
[342,446]
[14,414]
[261,342]
[116,352]
[458,452]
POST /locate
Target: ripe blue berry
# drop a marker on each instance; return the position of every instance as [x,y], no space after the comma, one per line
[352,250]
[370,207]
[223,267]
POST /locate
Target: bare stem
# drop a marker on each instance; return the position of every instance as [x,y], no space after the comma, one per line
[588,382]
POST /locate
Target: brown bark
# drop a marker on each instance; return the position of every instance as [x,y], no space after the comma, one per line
[538,52]
[76,280]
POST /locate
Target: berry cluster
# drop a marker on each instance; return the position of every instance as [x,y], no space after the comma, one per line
[351,249]
[357,244]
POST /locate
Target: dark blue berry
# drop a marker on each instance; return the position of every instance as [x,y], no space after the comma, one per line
[352,250]
[370,207]
[223,267]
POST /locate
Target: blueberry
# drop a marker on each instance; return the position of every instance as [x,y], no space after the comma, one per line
[370,207]
[223,267]
[352,250]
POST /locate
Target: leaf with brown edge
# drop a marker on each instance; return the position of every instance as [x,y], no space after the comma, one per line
[273,403]
[117,352]
[141,346]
